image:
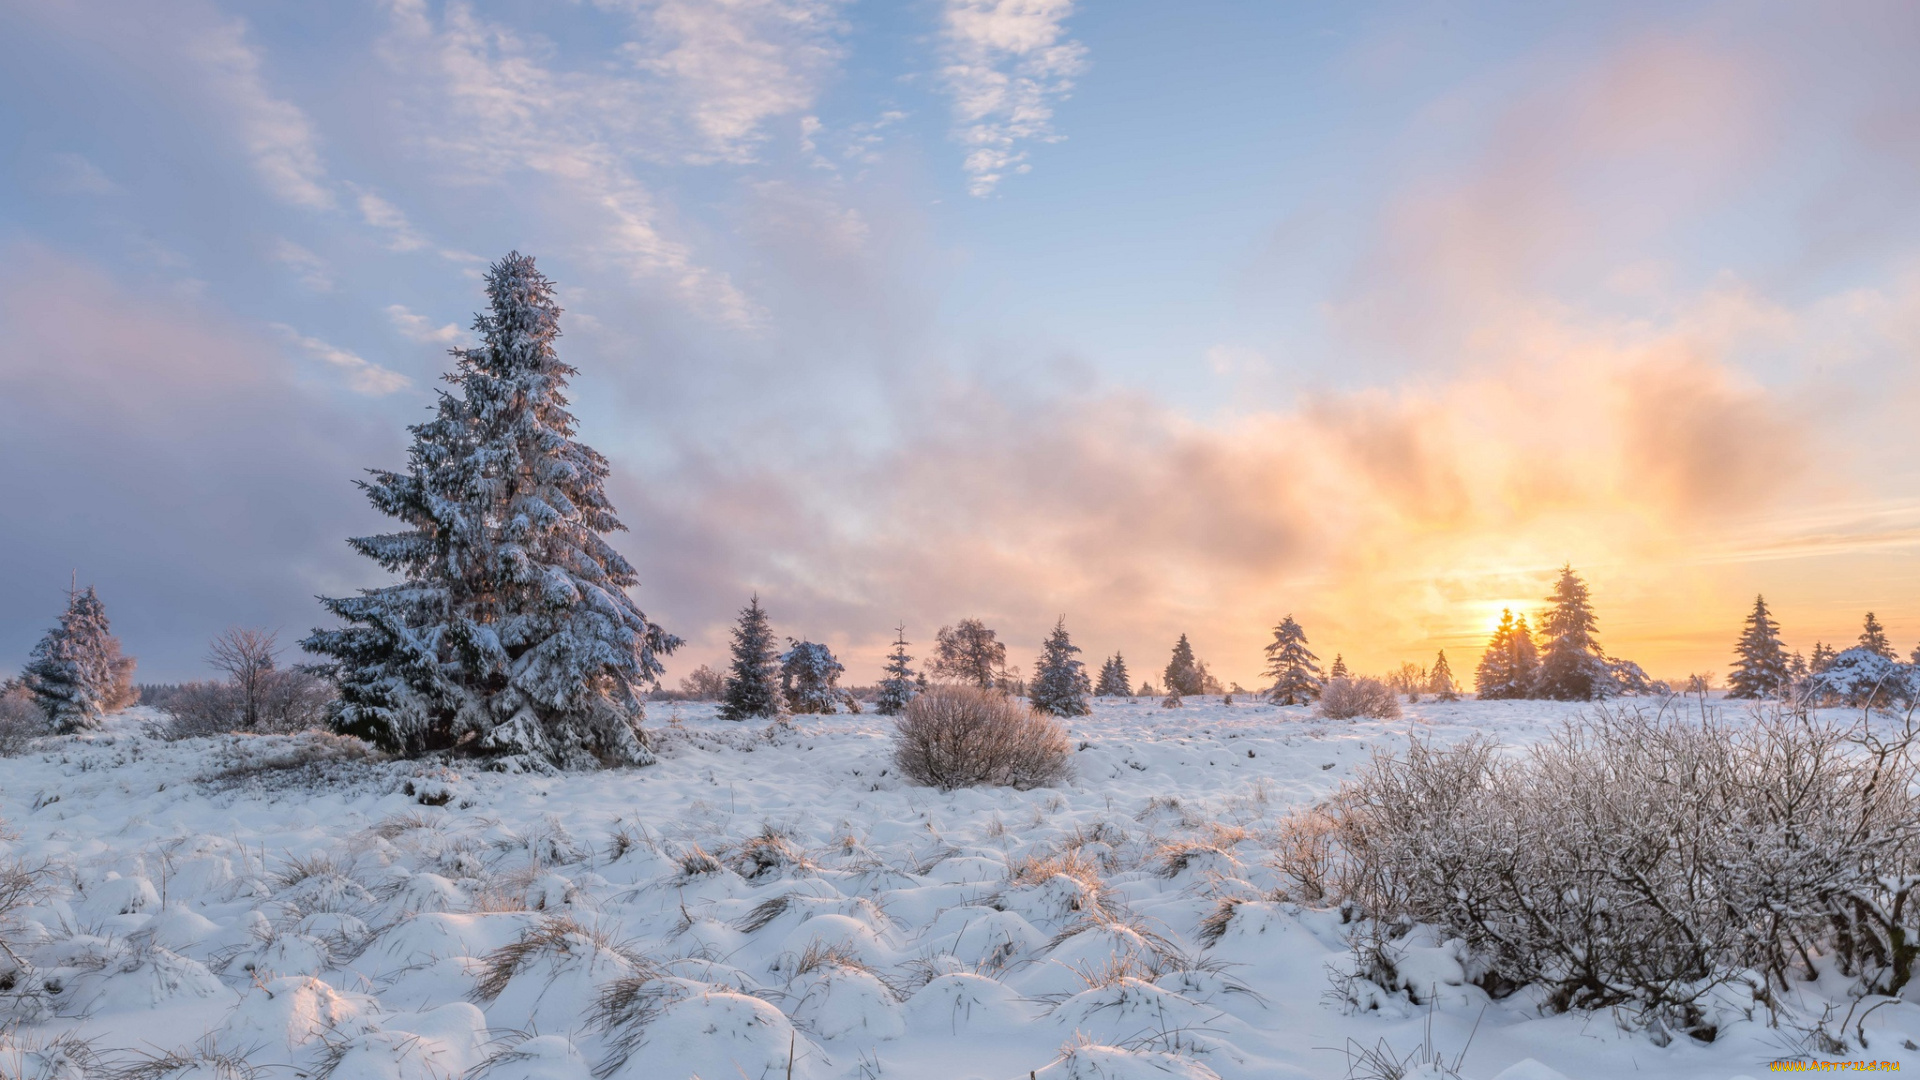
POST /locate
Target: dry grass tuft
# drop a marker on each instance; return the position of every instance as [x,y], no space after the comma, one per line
[203,1062]
[556,935]
[768,854]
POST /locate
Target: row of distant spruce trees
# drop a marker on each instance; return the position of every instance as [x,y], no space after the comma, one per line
[511,629]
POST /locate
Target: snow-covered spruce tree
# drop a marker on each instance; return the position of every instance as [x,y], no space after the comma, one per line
[900,684]
[1508,668]
[1113,678]
[810,679]
[1060,686]
[1873,638]
[76,674]
[1440,680]
[753,681]
[1183,675]
[1339,668]
[1761,671]
[511,631]
[1296,678]
[1821,659]
[1572,667]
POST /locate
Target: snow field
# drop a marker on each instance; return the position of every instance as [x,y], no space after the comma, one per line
[757,898]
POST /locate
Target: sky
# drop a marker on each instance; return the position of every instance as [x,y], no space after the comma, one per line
[1158,318]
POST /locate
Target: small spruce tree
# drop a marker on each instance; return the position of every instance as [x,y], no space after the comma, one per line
[1761,671]
[1113,678]
[1873,638]
[1339,668]
[1440,680]
[810,678]
[1822,658]
[1183,675]
[1060,686]
[511,630]
[76,673]
[900,684]
[753,679]
[1572,667]
[1295,675]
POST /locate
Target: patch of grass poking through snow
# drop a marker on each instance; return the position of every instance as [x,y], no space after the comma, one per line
[624,1010]
[552,936]
[768,854]
[64,1057]
[203,1062]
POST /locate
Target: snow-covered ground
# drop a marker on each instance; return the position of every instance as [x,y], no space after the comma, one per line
[751,900]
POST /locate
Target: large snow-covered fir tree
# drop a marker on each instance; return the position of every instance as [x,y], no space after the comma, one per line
[1184,675]
[810,679]
[1761,671]
[1511,663]
[76,673]
[511,630]
[1060,685]
[899,684]
[1296,676]
[1572,667]
[1873,638]
[1113,678]
[1440,680]
[753,679]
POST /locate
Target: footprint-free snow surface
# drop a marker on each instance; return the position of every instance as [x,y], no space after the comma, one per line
[760,903]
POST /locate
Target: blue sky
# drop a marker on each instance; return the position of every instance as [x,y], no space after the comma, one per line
[1165,317]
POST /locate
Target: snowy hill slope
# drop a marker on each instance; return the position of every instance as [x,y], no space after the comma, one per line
[755,899]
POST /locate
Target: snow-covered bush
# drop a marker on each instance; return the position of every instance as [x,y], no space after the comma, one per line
[20,719]
[810,679]
[1863,678]
[1644,860]
[962,736]
[283,701]
[1344,699]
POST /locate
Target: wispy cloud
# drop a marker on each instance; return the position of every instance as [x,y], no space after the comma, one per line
[383,215]
[73,174]
[1006,62]
[363,376]
[278,137]
[420,328]
[309,268]
[498,110]
[725,69]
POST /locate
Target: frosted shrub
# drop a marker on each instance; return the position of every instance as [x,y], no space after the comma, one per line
[21,720]
[1644,860]
[1344,699]
[961,736]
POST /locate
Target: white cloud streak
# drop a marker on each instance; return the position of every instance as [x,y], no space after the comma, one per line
[277,135]
[1006,62]
[419,328]
[727,68]
[310,268]
[363,376]
[383,215]
[500,110]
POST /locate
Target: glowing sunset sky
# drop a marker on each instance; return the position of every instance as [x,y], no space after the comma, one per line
[1165,317]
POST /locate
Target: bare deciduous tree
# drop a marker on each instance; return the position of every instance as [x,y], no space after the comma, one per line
[246,654]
